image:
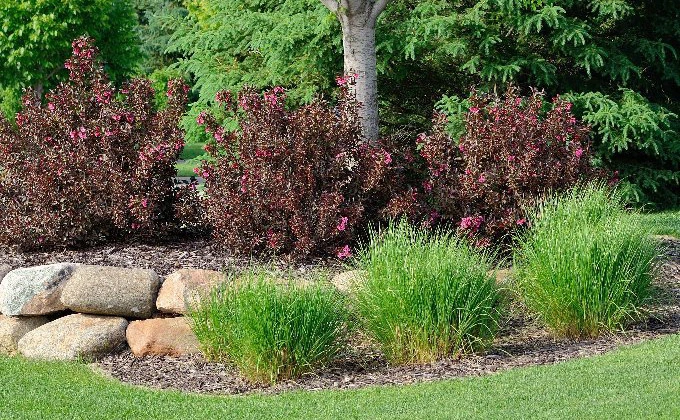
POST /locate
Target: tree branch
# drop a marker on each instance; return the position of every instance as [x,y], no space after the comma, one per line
[332,5]
[378,8]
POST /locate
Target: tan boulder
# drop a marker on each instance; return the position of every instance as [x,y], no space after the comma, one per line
[34,290]
[162,336]
[345,281]
[117,291]
[73,337]
[12,329]
[503,275]
[184,288]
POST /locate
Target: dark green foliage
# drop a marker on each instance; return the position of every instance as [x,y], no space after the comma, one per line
[431,48]
[36,39]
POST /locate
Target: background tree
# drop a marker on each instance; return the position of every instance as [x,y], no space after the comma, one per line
[357,19]
[618,61]
[36,39]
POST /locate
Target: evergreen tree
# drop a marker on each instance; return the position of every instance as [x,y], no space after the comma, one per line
[616,59]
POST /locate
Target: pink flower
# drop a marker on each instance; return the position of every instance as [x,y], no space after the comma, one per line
[197,171]
[388,158]
[200,119]
[342,225]
[511,158]
[474,110]
[82,133]
[482,179]
[568,106]
[50,106]
[145,202]
[578,152]
[427,186]
[521,222]
[471,223]
[345,252]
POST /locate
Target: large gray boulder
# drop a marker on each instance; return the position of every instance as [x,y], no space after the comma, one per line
[117,291]
[185,287]
[34,290]
[73,337]
[12,329]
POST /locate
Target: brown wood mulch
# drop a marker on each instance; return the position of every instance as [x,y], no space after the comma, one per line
[521,342]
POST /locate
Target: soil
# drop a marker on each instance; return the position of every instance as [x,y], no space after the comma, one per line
[521,342]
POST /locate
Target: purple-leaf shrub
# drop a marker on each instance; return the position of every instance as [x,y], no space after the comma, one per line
[513,152]
[296,182]
[90,162]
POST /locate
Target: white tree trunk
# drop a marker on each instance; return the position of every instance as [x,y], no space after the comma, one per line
[358,18]
[358,42]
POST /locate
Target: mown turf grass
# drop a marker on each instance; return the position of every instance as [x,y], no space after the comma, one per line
[192,151]
[663,223]
[640,381]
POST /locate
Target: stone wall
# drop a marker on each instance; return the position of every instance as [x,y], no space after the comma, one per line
[71,311]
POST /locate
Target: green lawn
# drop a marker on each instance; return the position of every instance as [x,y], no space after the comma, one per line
[191,157]
[192,150]
[641,381]
[664,223]
[187,168]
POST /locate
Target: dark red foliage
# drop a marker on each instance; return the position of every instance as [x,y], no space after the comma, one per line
[512,153]
[290,182]
[91,162]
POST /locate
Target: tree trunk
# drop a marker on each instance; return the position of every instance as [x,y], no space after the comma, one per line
[358,18]
[359,49]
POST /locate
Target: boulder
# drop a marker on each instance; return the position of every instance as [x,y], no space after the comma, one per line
[502,275]
[34,290]
[117,291]
[12,329]
[73,337]
[162,336]
[4,269]
[344,281]
[184,288]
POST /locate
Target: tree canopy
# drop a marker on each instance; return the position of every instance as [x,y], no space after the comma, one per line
[36,37]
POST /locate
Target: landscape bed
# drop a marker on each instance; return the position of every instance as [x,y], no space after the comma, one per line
[521,341]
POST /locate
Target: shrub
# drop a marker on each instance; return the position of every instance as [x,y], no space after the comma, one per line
[270,331]
[586,265]
[426,296]
[511,153]
[295,182]
[92,163]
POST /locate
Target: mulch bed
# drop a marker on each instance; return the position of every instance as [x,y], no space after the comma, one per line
[522,342]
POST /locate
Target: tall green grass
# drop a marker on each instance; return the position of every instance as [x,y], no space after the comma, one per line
[426,296]
[586,265]
[271,331]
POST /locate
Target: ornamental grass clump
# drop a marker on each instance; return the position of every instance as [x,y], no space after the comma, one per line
[268,330]
[426,295]
[586,265]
